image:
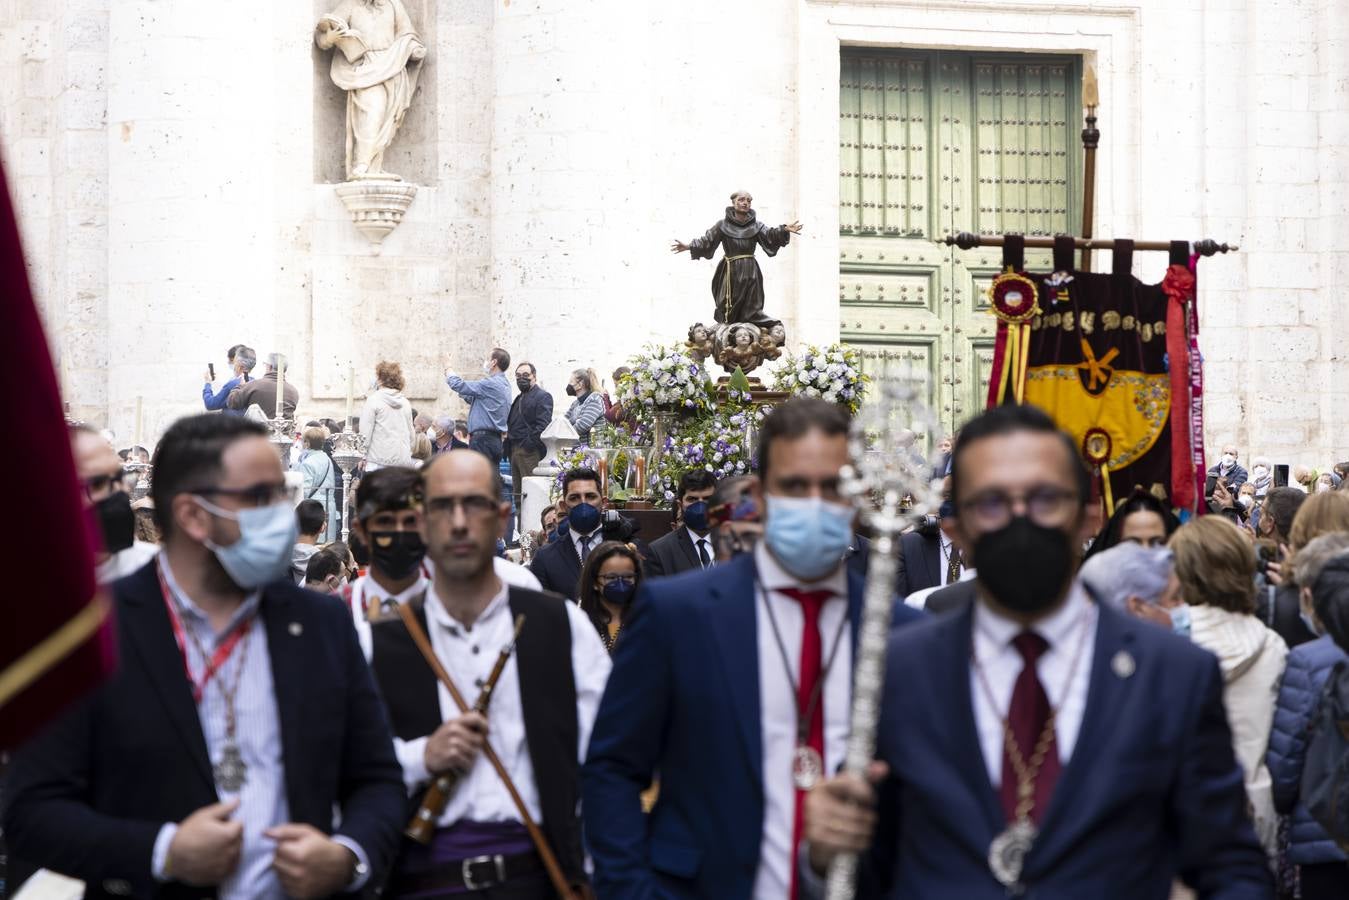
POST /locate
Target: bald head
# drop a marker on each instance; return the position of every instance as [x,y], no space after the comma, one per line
[462,516]
[94,456]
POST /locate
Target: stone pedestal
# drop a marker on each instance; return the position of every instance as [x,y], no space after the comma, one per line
[536,491]
[377,204]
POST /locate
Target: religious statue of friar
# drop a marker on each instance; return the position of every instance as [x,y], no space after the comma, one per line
[737,282]
[376,61]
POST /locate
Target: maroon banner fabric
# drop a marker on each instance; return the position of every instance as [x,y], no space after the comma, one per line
[56,642]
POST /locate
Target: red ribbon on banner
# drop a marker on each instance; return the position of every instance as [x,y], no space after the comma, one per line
[1187,386]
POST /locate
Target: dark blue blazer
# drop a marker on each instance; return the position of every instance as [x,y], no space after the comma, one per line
[1152,790]
[920,568]
[683,701]
[558,567]
[87,797]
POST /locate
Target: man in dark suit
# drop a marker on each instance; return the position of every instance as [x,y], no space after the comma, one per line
[558,565]
[689,546]
[734,685]
[1021,746]
[217,768]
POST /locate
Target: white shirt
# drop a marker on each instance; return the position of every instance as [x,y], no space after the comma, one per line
[918,599]
[1065,631]
[365,588]
[778,711]
[707,542]
[595,538]
[515,574]
[468,656]
[124,562]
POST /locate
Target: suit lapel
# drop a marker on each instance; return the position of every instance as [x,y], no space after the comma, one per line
[288,678]
[932,555]
[1070,805]
[146,622]
[967,755]
[686,546]
[733,621]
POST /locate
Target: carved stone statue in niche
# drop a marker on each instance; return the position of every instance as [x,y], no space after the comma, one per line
[376,59]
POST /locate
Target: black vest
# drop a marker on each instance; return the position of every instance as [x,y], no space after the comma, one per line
[547,696]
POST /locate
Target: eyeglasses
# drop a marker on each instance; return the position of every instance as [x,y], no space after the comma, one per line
[101,486]
[606,580]
[1045,505]
[249,497]
[473,505]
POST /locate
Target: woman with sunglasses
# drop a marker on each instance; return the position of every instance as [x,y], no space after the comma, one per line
[609,580]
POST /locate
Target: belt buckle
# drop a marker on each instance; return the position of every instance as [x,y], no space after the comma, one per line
[466,869]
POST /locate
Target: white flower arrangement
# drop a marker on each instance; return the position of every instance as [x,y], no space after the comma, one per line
[665,380]
[833,373]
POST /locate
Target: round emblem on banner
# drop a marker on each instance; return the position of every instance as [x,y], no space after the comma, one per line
[1096,445]
[1014,297]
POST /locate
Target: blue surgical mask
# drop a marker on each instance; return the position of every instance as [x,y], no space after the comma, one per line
[266,539]
[584,518]
[807,536]
[695,516]
[620,591]
[1180,620]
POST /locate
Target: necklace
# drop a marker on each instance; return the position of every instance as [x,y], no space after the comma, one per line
[230,771]
[1007,853]
[807,766]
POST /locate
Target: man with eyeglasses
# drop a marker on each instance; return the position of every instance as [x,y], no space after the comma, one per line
[1021,748]
[541,711]
[99,470]
[242,722]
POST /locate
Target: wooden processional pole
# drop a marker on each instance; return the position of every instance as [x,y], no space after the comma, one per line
[1091,138]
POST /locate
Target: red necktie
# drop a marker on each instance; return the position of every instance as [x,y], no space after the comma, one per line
[808,674]
[1027,717]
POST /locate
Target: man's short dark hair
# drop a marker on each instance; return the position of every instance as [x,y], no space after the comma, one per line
[391,489]
[696,480]
[527,365]
[188,458]
[1013,418]
[229,354]
[796,418]
[1282,504]
[581,474]
[502,359]
[322,564]
[311,517]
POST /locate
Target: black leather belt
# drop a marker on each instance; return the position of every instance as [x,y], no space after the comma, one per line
[477,873]
[483,431]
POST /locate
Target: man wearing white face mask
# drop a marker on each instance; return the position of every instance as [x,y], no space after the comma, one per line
[1229,469]
[242,716]
[734,683]
[489,404]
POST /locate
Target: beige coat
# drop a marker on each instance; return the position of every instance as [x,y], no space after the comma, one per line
[1251,657]
[386,422]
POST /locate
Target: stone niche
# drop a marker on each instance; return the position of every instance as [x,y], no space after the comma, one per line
[414,154]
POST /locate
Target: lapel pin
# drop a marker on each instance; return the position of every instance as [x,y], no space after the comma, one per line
[296,629]
[1123,664]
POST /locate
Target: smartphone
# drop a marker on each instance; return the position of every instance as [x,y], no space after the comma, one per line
[210,367]
[1265,553]
[1281,476]
[1209,484]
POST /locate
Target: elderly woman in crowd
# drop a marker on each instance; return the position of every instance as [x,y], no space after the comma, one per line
[1319,866]
[1215,570]
[320,475]
[1138,580]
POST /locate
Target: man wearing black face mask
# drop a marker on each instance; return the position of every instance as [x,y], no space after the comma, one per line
[558,565]
[689,546]
[99,469]
[531,412]
[1021,748]
[385,520]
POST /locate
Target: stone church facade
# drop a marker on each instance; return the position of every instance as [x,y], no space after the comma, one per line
[176,166]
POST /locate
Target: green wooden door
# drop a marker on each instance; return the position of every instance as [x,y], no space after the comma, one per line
[932,143]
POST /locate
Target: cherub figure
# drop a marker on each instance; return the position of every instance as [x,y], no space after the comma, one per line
[742,350]
[699,343]
[768,348]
